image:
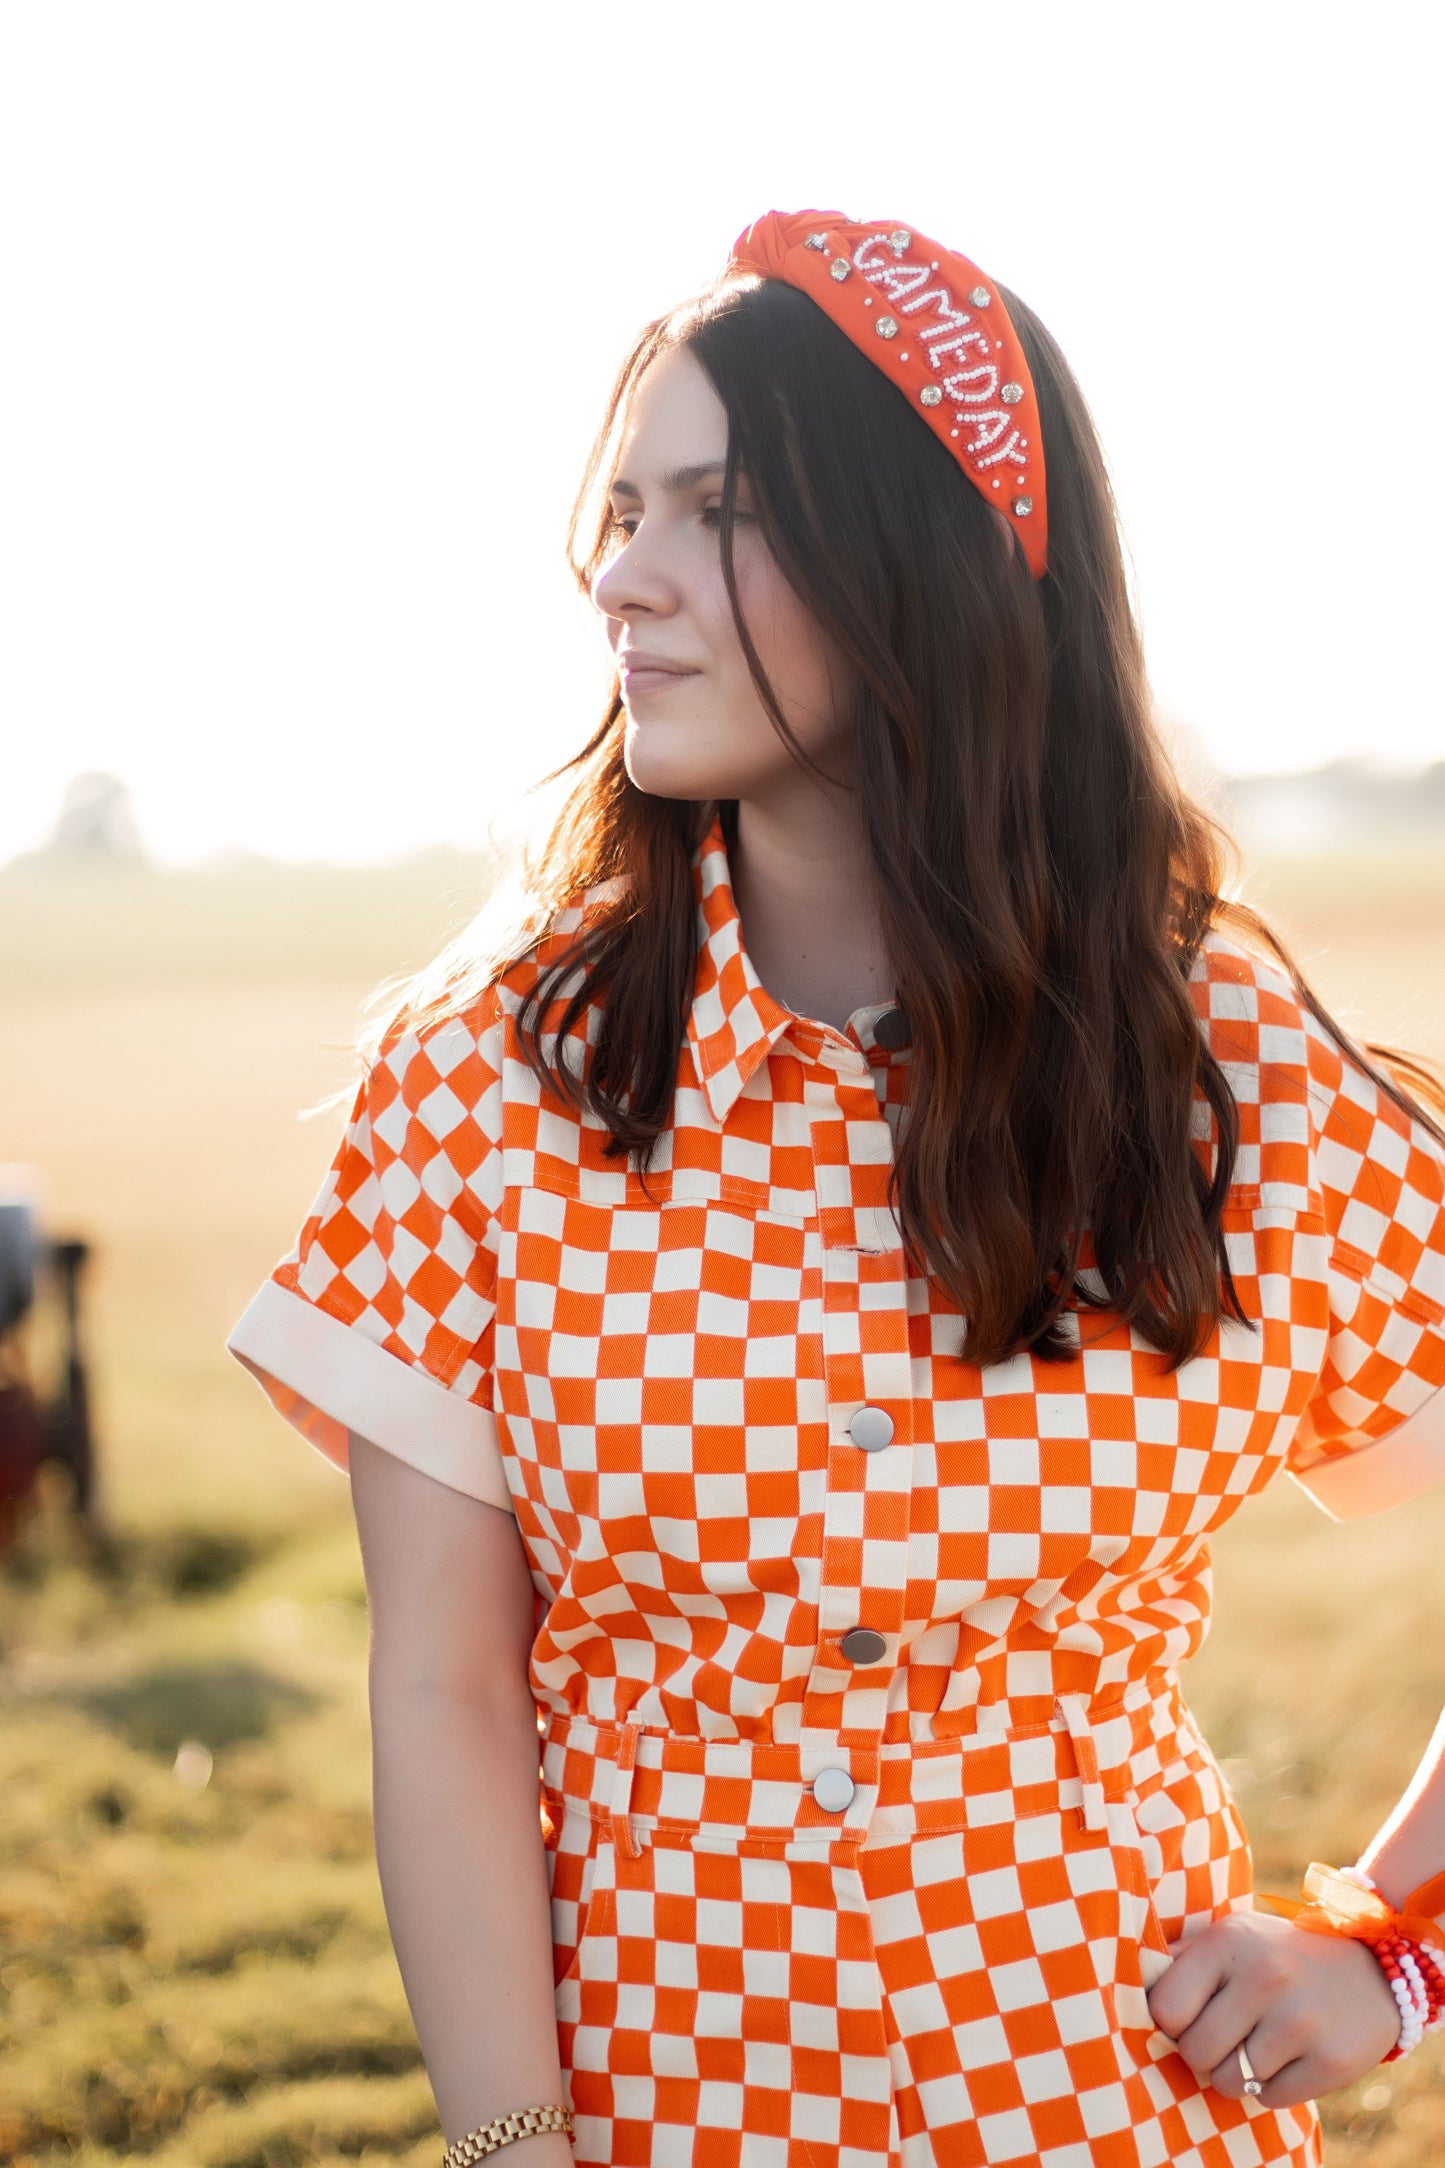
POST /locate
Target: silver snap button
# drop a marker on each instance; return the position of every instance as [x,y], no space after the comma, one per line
[833,1790]
[863,1646]
[871,1429]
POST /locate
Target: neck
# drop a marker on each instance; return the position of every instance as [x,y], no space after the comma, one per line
[803,884]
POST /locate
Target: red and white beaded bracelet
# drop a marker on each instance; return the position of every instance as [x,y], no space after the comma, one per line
[1344,1901]
[1416,1973]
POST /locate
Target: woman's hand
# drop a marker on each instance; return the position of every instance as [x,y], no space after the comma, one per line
[1314,2012]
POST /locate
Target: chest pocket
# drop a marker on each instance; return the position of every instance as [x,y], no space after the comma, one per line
[1053,1476]
[659,1375]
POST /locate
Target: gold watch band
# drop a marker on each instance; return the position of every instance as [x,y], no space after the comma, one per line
[502,2130]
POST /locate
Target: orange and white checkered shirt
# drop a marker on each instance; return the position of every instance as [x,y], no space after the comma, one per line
[872,1803]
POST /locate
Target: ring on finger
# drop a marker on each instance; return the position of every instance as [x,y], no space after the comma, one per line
[1252,2085]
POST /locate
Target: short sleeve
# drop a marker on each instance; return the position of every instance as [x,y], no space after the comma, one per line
[1373,1431]
[380,1320]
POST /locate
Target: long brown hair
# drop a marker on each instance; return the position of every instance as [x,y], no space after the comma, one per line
[1045,881]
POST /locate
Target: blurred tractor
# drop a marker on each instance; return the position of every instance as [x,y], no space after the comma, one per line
[37,1427]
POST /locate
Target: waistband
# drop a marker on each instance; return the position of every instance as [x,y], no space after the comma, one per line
[651,1786]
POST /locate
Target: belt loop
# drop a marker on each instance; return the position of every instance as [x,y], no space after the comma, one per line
[623,1835]
[1093,1812]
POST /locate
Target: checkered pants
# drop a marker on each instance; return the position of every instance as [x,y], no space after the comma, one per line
[950,1968]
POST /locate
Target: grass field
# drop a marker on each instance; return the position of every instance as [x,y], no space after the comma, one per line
[194,1967]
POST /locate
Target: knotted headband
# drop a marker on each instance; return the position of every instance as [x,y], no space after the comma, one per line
[937,329]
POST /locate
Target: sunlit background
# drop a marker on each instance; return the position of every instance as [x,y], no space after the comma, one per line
[308,313]
[311,308]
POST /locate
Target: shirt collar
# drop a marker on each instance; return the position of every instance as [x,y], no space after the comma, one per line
[734,1022]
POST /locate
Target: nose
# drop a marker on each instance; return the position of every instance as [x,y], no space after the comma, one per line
[636,583]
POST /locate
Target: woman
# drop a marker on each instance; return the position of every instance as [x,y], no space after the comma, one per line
[795,1311]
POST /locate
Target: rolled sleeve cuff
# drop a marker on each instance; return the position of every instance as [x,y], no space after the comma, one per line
[328,1379]
[1407,1461]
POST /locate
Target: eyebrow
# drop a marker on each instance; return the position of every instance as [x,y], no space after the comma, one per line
[679,478]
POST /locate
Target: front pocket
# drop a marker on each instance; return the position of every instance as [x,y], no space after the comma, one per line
[1140,1921]
[1191,1882]
[1027,1941]
[573,1863]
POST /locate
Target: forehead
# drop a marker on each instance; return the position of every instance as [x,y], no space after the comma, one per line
[674,419]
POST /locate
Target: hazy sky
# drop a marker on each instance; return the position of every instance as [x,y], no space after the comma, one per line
[310,309]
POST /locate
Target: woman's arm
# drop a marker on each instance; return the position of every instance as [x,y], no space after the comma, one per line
[1316,2012]
[1410,1848]
[455,1792]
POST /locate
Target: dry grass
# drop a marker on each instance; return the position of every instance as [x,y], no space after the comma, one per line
[201,1978]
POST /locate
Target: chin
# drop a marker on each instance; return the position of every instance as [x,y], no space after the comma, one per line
[662,769]
[665,779]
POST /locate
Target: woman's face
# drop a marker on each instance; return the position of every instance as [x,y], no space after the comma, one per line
[696,726]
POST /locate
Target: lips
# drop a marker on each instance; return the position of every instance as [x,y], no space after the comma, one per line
[642,673]
[646,666]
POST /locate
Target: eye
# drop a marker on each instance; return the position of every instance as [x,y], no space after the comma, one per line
[618,528]
[712,515]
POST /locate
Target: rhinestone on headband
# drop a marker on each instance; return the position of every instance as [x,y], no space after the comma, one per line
[1011,394]
[887,327]
[816,240]
[980,297]
[1023,506]
[901,240]
[840,267]
[931,395]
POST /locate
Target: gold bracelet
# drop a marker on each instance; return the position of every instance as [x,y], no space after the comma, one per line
[501,2131]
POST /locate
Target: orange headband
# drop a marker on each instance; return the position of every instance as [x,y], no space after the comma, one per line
[937,330]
